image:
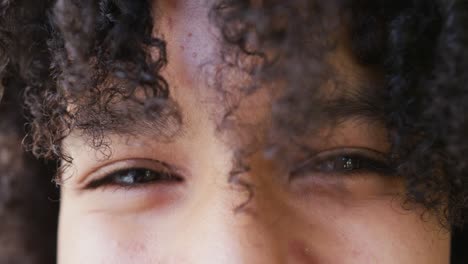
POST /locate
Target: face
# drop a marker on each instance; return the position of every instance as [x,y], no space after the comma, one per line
[171,201]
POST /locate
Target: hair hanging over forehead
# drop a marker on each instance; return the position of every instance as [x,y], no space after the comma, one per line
[419,47]
[77,60]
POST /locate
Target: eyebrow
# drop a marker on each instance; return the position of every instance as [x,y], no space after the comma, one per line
[164,124]
[366,103]
[130,118]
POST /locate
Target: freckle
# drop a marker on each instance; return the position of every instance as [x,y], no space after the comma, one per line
[182,47]
[190,35]
[194,55]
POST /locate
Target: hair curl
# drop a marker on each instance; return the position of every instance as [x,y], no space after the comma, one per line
[76,59]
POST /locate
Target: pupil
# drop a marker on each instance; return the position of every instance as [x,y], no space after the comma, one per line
[348,163]
[134,176]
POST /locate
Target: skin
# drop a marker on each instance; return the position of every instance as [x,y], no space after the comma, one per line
[314,218]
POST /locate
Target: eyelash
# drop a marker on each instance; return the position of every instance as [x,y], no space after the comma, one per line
[344,163]
[134,177]
[334,162]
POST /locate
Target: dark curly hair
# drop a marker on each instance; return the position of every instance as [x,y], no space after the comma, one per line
[76,61]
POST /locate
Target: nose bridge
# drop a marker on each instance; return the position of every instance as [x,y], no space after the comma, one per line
[218,233]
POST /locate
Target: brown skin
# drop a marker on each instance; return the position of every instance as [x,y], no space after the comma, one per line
[311,219]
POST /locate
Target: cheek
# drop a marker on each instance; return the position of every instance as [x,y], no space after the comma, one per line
[92,239]
[375,231]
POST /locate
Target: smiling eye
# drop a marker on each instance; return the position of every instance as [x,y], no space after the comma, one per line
[340,163]
[135,177]
[140,176]
[344,162]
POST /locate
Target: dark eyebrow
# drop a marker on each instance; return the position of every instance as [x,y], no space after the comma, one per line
[367,103]
[130,118]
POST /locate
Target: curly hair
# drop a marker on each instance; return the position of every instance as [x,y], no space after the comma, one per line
[77,60]
[29,218]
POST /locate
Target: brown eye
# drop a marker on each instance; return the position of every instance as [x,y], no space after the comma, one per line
[141,176]
[344,162]
[336,164]
[135,177]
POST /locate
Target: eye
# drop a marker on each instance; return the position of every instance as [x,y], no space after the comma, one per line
[342,162]
[135,177]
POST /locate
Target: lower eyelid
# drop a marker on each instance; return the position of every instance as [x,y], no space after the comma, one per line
[357,185]
[121,200]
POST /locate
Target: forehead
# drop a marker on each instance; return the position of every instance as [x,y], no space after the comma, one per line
[198,50]
[208,78]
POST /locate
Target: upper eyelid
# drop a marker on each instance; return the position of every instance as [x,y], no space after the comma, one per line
[110,180]
[317,155]
[324,154]
[111,167]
